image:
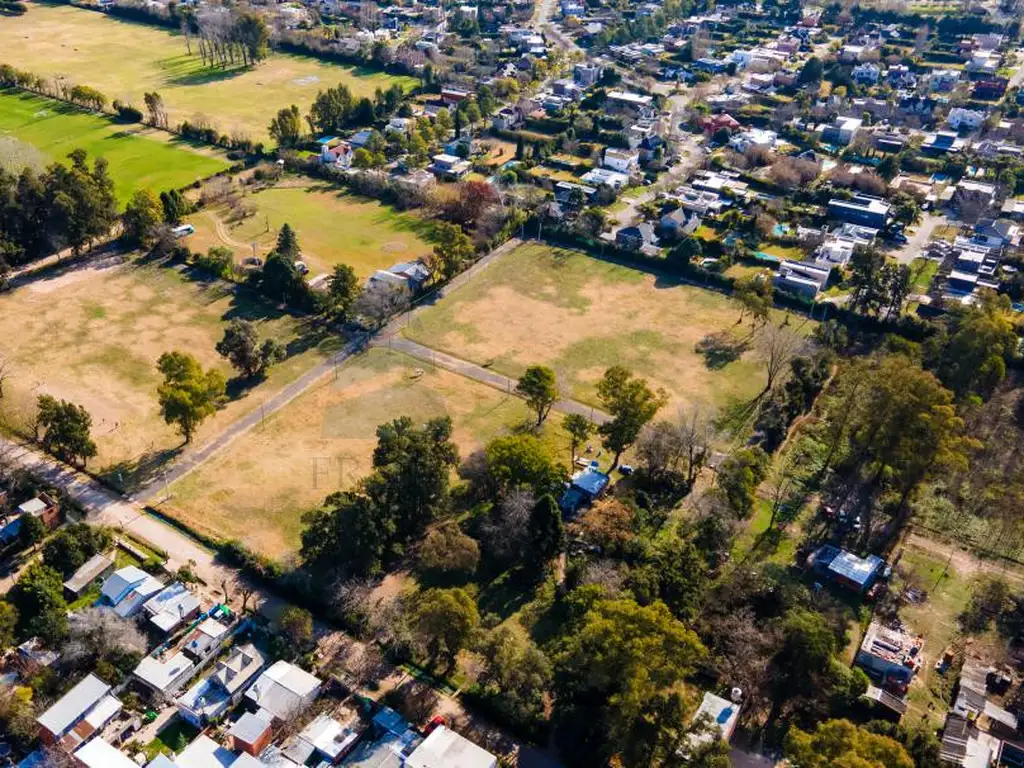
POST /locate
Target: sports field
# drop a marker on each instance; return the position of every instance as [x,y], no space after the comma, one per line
[35,131]
[333,228]
[579,315]
[92,335]
[124,60]
[258,488]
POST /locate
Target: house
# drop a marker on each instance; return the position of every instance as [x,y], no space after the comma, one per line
[621,160]
[587,73]
[207,636]
[171,607]
[990,89]
[564,193]
[888,141]
[638,238]
[973,193]
[757,137]
[866,74]
[943,79]
[96,567]
[399,125]
[714,123]
[965,119]
[410,276]
[449,167]
[326,742]
[164,675]
[339,155]
[444,747]
[942,143]
[625,100]
[78,714]
[983,63]
[997,232]
[678,223]
[584,487]
[33,657]
[802,278]
[860,209]
[718,718]
[507,119]
[127,589]
[283,690]
[964,744]
[847,569]
[204,752]
[388,743]
[891,657]
[251,733]
[99,754]
[454,95]
[42,506]
[711,66]
[595,177]
[215,694]
[841,131]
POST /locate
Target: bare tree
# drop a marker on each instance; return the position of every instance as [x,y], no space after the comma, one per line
[776,346]
[96,631]
[379,302]
[505,533]
[6,371]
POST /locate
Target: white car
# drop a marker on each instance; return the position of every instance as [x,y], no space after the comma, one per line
[301,268]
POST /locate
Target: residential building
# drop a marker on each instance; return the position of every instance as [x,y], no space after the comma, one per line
[204,752]
[338,155]
[251,733]
[171,607]
[983,63]
[860,209]
[756,137]
[99,754]
[638,238]
[444,747]
[564,192]
[965,119]
[209,634]
[325,741]
[215,694]
[78,714]
[841,131]
[95,568]
[586,485]
[43,507]
[598,176]
[283,690]
[164,675]
[678,223]
[943,79]
[507,119]
[942,143]
[990,89]
[714,123]
[621,160]
[454,95]
[449,167]
[127,589]
[973,194]
[847,569]
[409,276]
[867,73]
[997,232]
[718,718]
[587,73]
[801,278]
[620,100]
[891,657]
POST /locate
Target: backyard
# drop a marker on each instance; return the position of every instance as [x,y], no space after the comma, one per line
[124,60]
[580,315]
[91,334]
[259,487]
[35,131]
[333,228]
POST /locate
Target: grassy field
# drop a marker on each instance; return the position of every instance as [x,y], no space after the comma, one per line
[259,487]
[124,60]
[333,228]
[580,315]
[92,335]
[139,158]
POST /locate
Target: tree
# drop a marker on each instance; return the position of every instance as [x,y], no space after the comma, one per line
[522,461]
[812,70]
[518,674]
[70,547]
[981,343]
[687,250]
[286,128]
[188,394]
[66,430]
[32,531]
[241,346]
[8,623]
[444,623]
[755,295]
[342,290]
[142,215]
[740,475]
[38,596]
[97,633]
[296,624]
[540,390]
[446,549]
[841,743]
[349,535]
[547,533]
[777,345]
[631,403]
[287,243]
[156,109]
[453,249]
[580,428]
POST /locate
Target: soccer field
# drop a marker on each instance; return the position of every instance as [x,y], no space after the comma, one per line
[124,60]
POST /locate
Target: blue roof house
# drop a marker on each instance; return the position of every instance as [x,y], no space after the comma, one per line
[585,486]
[846,569]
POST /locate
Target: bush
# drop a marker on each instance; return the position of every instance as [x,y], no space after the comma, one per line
[126,113]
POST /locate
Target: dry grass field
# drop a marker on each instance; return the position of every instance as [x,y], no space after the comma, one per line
[124,60]
[333,228]
[258,488]
[92,335]
[580,315]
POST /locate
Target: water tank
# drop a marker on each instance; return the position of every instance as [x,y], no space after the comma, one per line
[736,695]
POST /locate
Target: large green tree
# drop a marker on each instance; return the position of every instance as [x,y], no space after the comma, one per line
[522,461]
[841,744]
[188,395]
[241,346]
[631,404]
[444,622]
[142,215]
[540,390]
[38,596]
[65,430]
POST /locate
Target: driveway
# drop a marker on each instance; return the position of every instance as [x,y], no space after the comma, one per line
[916,243]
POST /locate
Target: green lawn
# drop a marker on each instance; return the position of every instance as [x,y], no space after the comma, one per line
[124,60]
[139,158]
[924,271]
[333,228]
[175,736]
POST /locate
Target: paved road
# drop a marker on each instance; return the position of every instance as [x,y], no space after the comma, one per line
[917,241]
[481,374]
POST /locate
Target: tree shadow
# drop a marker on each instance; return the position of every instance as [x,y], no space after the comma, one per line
[132,474]
[207,75]
[721,348]
[508,593]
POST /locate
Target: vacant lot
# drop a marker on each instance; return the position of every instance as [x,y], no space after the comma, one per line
[124,60]
[333,228]
[35,131]
[258,489]
[580,315]
[92,335]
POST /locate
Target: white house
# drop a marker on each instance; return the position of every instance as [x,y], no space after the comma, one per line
[283,690]
[212,696]
[444,747]
[943,79]
[866,73]
[99,754]
[165,676]
[79,713]
[171,607]
[842,131]
[621,160]
[962,118]
[756,137]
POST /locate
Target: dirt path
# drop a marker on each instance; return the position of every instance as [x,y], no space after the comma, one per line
[964,563]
